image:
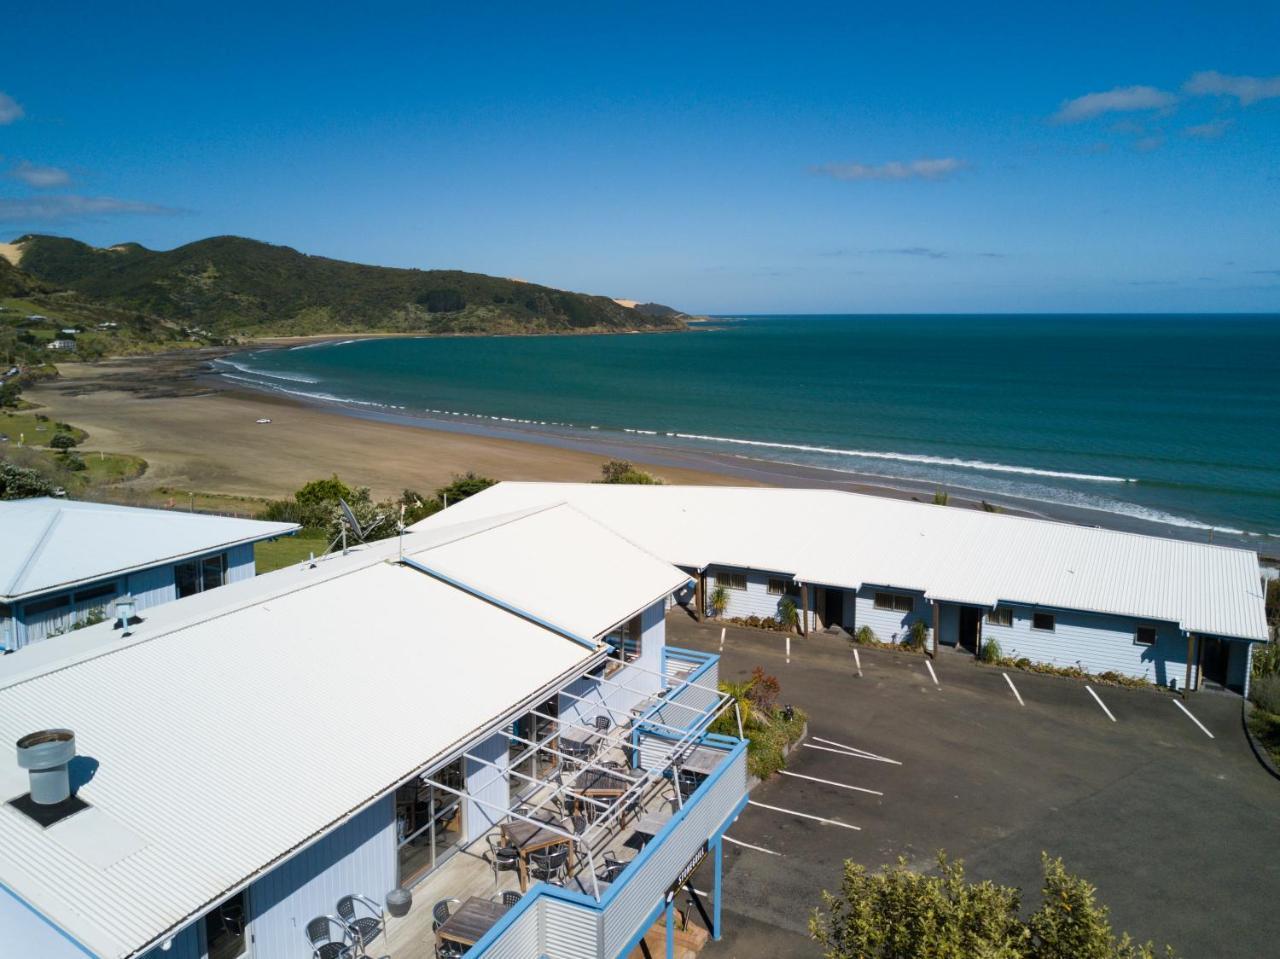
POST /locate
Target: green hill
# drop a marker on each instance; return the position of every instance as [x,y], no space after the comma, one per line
[230,287]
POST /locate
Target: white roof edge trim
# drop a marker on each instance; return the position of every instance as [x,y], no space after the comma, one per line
[290,529]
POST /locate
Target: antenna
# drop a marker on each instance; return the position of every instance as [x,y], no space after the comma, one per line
[349,520]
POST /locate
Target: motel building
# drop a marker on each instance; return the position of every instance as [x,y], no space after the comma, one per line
[64,563]
[472,738]
[1179,614]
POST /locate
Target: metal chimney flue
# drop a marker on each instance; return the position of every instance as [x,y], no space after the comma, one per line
[46,756]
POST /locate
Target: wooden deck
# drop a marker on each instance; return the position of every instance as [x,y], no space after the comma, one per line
[467,873]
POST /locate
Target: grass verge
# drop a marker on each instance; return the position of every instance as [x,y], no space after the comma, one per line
[1265,727]
[287,550]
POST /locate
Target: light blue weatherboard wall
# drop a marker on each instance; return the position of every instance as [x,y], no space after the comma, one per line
[890,625]
[149,588]
[755,600]
[1096,642]
[646,679]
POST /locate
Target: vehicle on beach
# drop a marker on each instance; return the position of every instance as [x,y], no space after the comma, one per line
[262,420]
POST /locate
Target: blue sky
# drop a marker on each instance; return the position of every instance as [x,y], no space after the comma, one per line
[720,158]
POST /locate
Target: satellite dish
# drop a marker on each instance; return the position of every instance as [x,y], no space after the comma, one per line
[350,517]
[360,532]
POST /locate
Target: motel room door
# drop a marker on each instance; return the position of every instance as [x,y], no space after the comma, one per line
[970,628]
[832,607]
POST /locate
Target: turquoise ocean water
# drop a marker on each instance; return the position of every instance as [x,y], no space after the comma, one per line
[1173,419]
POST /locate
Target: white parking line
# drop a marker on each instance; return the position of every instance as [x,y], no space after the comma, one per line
[1193,719]
[828,782]
[746,845]
[857,661]
[722,629]
[1100,703]
[804,815]
[1014,688]
[931,672]
[865,754]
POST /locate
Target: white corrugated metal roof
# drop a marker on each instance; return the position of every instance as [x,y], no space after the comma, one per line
[846,539]
[53,543]
[219,727]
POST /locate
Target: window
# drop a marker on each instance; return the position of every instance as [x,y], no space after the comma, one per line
[732,580]
[626,640]
[98,592]
[224,928]
[898,602]
[1145,636]
[428,821]
[1000,616]
[47,605]
[777,587]
[1042,621]
[199,575]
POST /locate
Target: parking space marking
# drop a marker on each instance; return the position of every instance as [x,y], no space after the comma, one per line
[1193,719]
[857,661]
[931,672]
[1100,703]
[746,845]
[828,782]
[864,754]
[804,815]
[1014,688]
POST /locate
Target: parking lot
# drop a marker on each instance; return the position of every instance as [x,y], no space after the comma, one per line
[1165,809]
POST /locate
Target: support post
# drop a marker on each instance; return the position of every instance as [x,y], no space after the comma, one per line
[699,592]
[1191,649]
[715,910]
[671,925]
[937,620]
[804,609]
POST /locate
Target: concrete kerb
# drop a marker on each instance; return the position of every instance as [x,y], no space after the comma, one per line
[1259,750]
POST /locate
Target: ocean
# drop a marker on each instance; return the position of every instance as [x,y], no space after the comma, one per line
[1166,420]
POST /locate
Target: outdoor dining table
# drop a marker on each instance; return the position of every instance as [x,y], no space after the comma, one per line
[527,837]
[471,921]
[651,824]
[702,761]
[597,784]
[576,745]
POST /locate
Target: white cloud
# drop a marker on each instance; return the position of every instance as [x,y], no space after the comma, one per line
[925,169]
[40,177]
[1119,100]
[1208,131]
[72,207]
[1246,90]
[10,109]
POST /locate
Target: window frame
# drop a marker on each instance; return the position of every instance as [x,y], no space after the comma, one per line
[1137,633]
[728,580]
[780,582]
[1053,622]
[895,601]
[1008,615]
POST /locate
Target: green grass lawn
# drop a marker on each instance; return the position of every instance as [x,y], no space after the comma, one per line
[32,431]
[288,550]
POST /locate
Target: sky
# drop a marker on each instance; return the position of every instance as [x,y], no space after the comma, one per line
[720,158]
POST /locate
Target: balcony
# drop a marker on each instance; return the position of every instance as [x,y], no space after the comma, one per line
[674,787]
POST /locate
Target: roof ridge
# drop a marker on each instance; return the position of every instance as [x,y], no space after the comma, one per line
[40,543]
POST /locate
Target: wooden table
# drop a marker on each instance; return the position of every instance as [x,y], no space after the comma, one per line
[702,760]
[472,920]
[527,838]
[577,744]
[652,823]
[598,784]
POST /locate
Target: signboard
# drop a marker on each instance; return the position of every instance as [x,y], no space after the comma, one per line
[690,867]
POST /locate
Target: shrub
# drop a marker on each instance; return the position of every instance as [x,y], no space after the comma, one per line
[19,482]
[916,635]
[866,636]
[62,441]
[764,691]
[991,652]
[1266,660]
[941,498]
[622,471]
[73,462]
[1265,693]
[468,484]
[719,600]
[788,615]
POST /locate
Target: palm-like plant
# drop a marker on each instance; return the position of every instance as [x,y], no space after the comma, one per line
[788,615]
[719,601]
[740,693]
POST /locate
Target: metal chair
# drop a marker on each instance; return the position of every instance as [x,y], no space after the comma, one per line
[510,898]
[364,929]
[613,867]
[549,865]
[448,949]
[441,911]
[501,858]
[319,932]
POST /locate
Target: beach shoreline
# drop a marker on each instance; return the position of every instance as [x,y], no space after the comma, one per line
[197,429]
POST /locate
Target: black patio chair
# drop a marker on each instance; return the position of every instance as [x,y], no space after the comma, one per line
[448,949]
[501,858]
[510,898]
[441,911]
[364,928]
[320,937]
[613,867]
[549,865]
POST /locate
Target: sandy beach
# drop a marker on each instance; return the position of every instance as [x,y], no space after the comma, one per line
[197,434]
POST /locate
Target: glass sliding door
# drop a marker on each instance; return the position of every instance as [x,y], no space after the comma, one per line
[429,822]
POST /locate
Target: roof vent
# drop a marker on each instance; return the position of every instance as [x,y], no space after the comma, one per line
[47,756]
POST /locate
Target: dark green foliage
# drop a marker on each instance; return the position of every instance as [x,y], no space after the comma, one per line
[916,635]
[902,914]
[1265,692]
[991,652]
[788,614]
[73,462]
[62,441]
[463,486]
[442,301]
[941,498]
[233,285]
[10,394]
[19,482]
[622,471]
[1273,604]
